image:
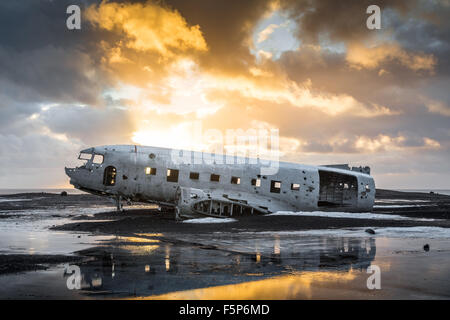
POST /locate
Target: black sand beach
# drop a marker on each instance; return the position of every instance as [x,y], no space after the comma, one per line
[145,252]
[153,220]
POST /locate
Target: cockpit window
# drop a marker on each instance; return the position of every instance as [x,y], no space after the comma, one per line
[85,156]
[83,159]
[98,159]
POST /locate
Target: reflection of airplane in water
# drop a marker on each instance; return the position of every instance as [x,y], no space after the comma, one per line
[145,269]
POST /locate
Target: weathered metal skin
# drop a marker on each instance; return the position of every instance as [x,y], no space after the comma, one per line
[339,190]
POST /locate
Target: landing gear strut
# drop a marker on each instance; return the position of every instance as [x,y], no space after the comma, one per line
[177,214]
[119,204]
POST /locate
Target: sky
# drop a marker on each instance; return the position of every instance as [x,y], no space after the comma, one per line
[153,72]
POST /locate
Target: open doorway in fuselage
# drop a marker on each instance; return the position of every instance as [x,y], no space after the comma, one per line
[337,189]
[109,176]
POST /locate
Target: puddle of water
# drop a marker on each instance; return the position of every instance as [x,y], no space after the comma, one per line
[38,214]
[394,206]
[48,284]
[278,265]
[210,220]
[256,266]
[348,215]
[27,232]
[316,264]
[46,242]
[420,232]
[320,267]
[15,200]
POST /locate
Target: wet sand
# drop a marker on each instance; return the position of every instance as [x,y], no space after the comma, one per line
[144,252]
[13,263]
[429,206]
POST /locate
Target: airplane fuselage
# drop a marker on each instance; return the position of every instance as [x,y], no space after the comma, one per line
[201,184]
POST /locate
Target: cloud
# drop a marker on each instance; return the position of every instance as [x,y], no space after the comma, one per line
[336,20]
[360,56]
[265,54]
[53,74]
[35,161]
[227,27]
[144,71]
[90,126]
[387,143]
[389,87]
[148,27]
[438,107]
[264,34]
[143,40]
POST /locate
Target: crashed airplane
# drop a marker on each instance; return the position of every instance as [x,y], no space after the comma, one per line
[198,188]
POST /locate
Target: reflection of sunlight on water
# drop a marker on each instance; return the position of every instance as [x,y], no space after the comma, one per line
[132,244]
[149,234]
[167,258]
[45,242]
[97,282]
[136,239]
[281,267]
[139,249]
[292,286]
[276,245]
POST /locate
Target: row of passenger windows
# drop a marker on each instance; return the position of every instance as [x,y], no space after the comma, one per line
[275,186]
[172,176]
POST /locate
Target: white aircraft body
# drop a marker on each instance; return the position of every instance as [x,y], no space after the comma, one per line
[203,184]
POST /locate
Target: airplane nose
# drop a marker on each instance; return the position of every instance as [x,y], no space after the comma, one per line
[69,172]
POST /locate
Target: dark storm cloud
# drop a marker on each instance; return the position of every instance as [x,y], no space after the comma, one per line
[324,67]
[42,64]
[56,62]
[53,74]
[39,54]
[428,30]
[421,28]
[13,107]
[28,24]
[392,83]
[338,20]
[227,27]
